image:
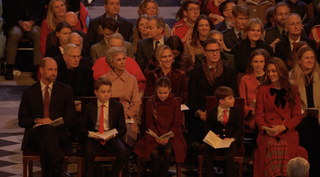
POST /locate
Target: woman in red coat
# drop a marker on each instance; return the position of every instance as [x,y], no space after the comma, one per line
[278,107]
[249,83]
[163,116]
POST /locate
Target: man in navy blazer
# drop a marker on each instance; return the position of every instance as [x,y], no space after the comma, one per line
[33,115]
[293,26]
[112,8]
[146,47]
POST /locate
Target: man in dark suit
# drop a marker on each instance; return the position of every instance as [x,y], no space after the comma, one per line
[225,9]
[22,18]
[79,78]
[293,26]
[42,103]
[202,85]
[72,19]
[233,35]
[146,47]
[112,8]
[77,40]
[102,115]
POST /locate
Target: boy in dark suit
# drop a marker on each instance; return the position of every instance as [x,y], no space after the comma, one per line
[226,122]
[112,115]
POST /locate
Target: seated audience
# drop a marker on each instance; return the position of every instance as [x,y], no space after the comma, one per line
[100,116]
[211,9]
[298,7]
[177,77]
[139,31]
[225,9]
[306,75]
[293,26]
[71,18]
[101,67]
[203,82]
[125,86]
[251,40]
[59,40]
[201,29]
[163,115]
[146,47]
[255,74]
[42,103]
[298,167]
[271,22]
[225,121]
[233,35]
[22,20]
[183,29]
[150,8]
[56,12]
[226,58]
[278,107]
[291,60]
[71,73]
[109,26]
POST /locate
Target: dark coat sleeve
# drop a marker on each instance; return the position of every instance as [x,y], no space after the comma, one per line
[121,128]
[24,116]
[139,56]
[239,125]
[70,111]
[150,84]
[193,90]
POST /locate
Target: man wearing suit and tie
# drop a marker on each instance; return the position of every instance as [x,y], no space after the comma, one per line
[225,9]
[102,115]
[233,35]
[112,8]
[42,103]
[146,47]
[293,26]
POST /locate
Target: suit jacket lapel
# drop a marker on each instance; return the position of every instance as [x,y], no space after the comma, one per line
[39,98]
[53,99]
[111,114]
[94,109]
[254,80]
[272,98]
[287,47]
[277,34]
[233,36]
[149,44]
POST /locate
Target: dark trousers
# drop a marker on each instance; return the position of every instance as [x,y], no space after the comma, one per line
[309,133]
[161,169]
[229,159]
[115,146]
[48,141]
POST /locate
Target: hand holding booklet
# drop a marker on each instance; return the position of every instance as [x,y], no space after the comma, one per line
[165,136]
[213,140]
[54,123]
[104,135]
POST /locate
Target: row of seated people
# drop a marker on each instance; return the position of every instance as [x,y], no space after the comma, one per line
[204,80]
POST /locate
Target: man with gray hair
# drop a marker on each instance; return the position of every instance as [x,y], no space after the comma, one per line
[71,73]
[147,47]
[298,167]
[76,39]
[293,26]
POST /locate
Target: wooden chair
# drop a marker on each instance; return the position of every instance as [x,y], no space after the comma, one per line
[238,157]
[103,155]
[29,155]
[143,131]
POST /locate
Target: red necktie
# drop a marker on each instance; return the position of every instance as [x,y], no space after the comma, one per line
[46,103]
[101,127]
[294,43]
[225,117]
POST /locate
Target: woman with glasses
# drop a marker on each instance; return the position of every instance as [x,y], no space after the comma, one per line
[124,86]
[251,40]
[59,40]
[203,82]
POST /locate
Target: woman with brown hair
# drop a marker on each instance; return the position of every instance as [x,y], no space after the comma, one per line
[277,113]
[291,60]
[139,31]
[306,75]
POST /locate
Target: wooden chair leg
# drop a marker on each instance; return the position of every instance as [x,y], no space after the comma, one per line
[144,169]
[79,168]
[178,166]
[65,164]
[240,169]
[120,174]
[30,168]
[25,167]
[138,168]
[200,166]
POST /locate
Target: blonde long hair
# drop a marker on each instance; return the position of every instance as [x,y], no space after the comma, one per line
[51,19]
[298,77]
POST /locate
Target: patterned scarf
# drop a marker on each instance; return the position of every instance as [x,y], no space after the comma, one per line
[277,157]
[212,73]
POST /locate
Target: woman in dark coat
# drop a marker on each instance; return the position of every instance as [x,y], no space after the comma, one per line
[251,40]
[278,107]
[177,77]
[163,116]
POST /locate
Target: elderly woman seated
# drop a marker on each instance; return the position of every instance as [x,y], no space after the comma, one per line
[124,86]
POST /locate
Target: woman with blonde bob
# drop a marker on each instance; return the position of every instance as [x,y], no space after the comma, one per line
[306,74]
[150,8]
[251,40]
